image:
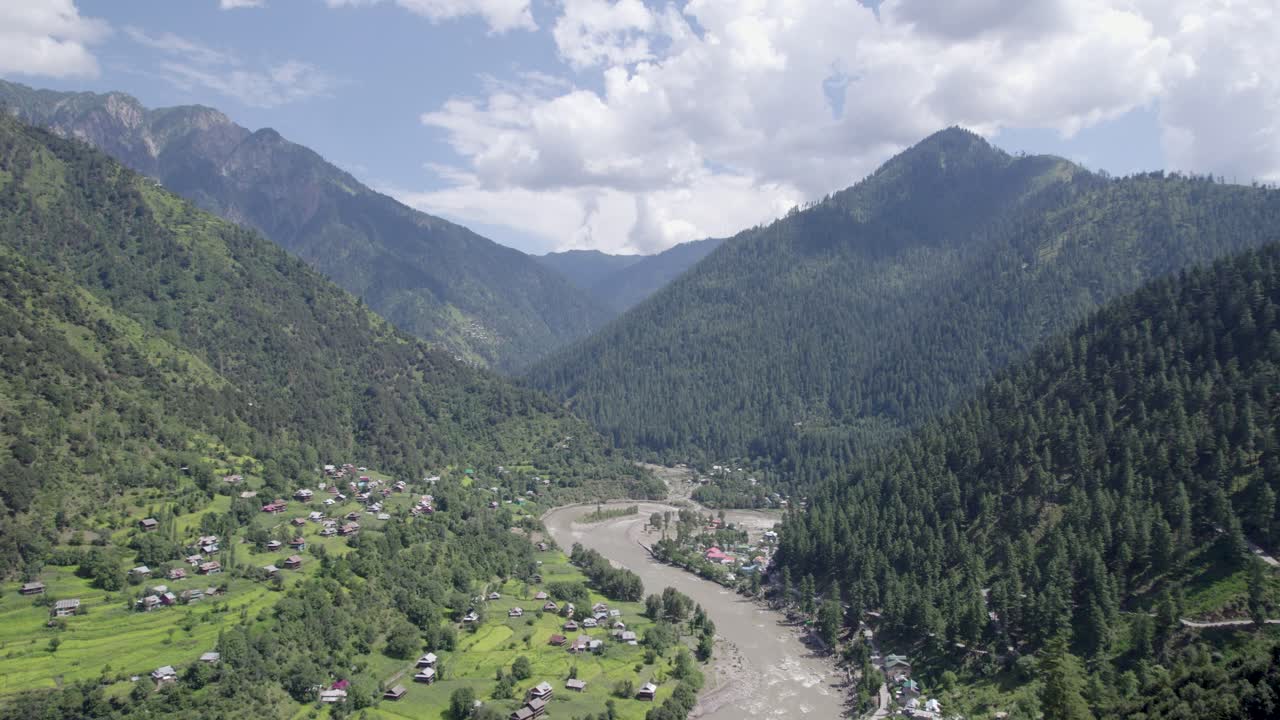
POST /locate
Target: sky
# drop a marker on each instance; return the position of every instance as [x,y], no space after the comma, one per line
[629,125]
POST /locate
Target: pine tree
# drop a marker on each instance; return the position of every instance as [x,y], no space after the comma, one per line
[1062,695]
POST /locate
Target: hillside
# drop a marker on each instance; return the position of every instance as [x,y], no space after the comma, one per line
[434,279]
[841,325]
[1107,488]
[143,335]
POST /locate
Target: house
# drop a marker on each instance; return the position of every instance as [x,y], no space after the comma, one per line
[353,515]
[270,570]
[575,684]
[164,674]
[619,625]
[599,607]
[209,549]
[65,608]
[897,667]
[394,693]
[149,603]
[569,610]
[31,588]
[550,606]
[556,640]
[212,591]
[190,596]
[232,479]
[194,560]
[140,571]
[541,595]
[274,545]
[276,506]
[211,567]
[542,546]
[715,555]
[495,595]
[589,623]
[428,660]
[542,691]
[298,544]
[524,713]
[537,706]
[571,626]
[168,598]
[515,612]
[210,657]
[580,645]
[596,646]
[315,516]
[298,522]
[349,529]
[629,637]
[304,495]
[537,577]
[207,540]
[384,516]
[426,675]
[333,696]
[647,691]
[470,617]
[148,524]
[328,531]
[293,562]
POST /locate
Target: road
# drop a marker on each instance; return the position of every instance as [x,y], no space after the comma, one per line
[763,670]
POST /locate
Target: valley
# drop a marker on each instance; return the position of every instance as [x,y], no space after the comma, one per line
[763,668]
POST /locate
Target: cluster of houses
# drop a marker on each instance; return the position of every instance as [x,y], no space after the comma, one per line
[167,674]
[906,691]
[161,596]
[424,506]
[535,702]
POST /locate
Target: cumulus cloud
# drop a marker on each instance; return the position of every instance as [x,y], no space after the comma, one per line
[48,38]
[190,65]
[501,15]
[695,120]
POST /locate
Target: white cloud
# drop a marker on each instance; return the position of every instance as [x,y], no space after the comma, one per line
[501,15]
[238,4]
[689,121]
[191,65]
[48,38]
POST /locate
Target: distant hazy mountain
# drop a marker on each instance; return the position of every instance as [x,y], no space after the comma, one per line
[585,268]
[622,281]
[437,280]
[839,326]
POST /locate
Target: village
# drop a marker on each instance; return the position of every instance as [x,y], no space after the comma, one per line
[578,649]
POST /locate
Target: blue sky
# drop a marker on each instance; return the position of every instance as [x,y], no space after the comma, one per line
[628,126]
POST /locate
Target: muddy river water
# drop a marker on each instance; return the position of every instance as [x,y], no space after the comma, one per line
[763,670]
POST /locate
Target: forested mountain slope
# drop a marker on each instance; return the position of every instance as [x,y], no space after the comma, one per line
[430,277]
[1118,473]
[837,327]
[139,332]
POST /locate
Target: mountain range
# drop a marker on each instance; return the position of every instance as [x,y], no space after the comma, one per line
[485,302]
[835,329]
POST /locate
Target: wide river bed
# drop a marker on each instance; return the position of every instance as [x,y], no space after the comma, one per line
[763,670]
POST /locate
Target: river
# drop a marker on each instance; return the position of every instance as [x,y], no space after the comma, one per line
[762,669]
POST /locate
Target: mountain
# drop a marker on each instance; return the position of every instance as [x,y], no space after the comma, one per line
[142,335]
[434,279]
[840,326]
[622,281]
[585,268]
[625,288]
[1104,491]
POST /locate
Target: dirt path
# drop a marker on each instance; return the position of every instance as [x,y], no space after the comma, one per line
[762,668]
